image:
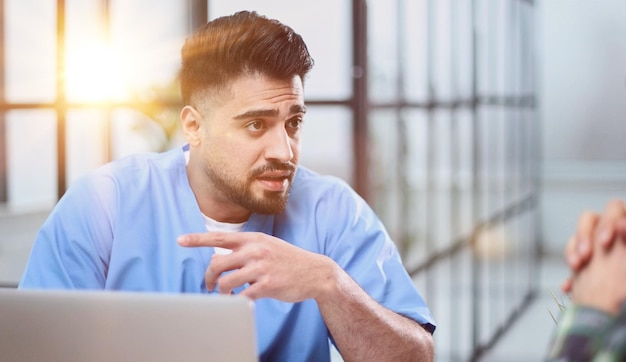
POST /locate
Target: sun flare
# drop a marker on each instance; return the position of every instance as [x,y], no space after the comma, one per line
[95,74]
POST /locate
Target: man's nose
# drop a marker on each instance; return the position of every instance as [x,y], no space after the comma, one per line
[279,146]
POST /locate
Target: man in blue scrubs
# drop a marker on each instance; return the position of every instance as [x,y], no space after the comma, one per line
[233,212]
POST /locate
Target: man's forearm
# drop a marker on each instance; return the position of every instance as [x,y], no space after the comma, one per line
[366,331]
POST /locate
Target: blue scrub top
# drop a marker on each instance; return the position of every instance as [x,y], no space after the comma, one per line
[116,228]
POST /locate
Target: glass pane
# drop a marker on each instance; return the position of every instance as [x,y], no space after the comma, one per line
[527,45]
[419,170]
[149,38]
[327,141]
[416,50]
[31,146]
[86,141]
[500,44]
[487,158]
[484,56]
[139,50]
[383,51]
[440,41]
[134,132]
[383,166]
[30,52]
[329,42]
[462,52]
[89,77]
[441,207]
[463,140]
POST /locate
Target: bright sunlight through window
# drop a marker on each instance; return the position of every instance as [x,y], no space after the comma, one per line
[95,74]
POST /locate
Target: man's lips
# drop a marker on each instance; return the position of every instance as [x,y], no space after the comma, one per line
[275,180]
[275,174]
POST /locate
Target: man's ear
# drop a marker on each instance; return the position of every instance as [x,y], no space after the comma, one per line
[190,122]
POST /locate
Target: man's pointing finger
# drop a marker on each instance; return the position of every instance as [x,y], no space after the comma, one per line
[215,239]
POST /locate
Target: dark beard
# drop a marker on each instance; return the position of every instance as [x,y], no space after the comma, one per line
[271,203]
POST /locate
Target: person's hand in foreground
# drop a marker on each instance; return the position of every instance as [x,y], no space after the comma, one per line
[594,232]
[601,282]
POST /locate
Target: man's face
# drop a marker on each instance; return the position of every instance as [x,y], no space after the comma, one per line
[249,143]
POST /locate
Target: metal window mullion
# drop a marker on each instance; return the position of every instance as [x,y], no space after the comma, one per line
[4,189]
[198,13]
[359,101]
[61,102]
[402,167]
[106,24]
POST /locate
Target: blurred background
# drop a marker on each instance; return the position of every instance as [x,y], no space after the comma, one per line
[478,130]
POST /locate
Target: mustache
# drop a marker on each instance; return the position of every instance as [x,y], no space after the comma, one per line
[273,166]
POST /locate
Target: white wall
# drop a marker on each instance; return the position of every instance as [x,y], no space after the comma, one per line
[582,100]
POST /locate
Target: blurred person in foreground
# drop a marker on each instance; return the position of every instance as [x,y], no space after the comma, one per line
[232,212]
[593,327]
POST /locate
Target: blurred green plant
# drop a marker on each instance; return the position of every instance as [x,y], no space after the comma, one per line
[560,304]
[160,104]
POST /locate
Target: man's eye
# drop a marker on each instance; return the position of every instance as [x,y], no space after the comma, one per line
[295,123]
[255,125]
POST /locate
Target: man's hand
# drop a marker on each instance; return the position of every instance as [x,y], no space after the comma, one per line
[592,230]
[363,329]
[272,267]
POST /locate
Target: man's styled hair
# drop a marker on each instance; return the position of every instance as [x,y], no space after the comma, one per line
[243,43]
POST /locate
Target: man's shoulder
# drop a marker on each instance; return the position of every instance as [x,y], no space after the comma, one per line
[133,170]
[310,187]
[143,162]
[310,181]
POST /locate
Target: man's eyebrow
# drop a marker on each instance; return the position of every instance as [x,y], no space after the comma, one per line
[298,108]
[255,113]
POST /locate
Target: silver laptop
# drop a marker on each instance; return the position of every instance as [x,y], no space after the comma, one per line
[122,326]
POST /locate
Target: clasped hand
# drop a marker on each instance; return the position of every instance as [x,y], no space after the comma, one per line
[596,255]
